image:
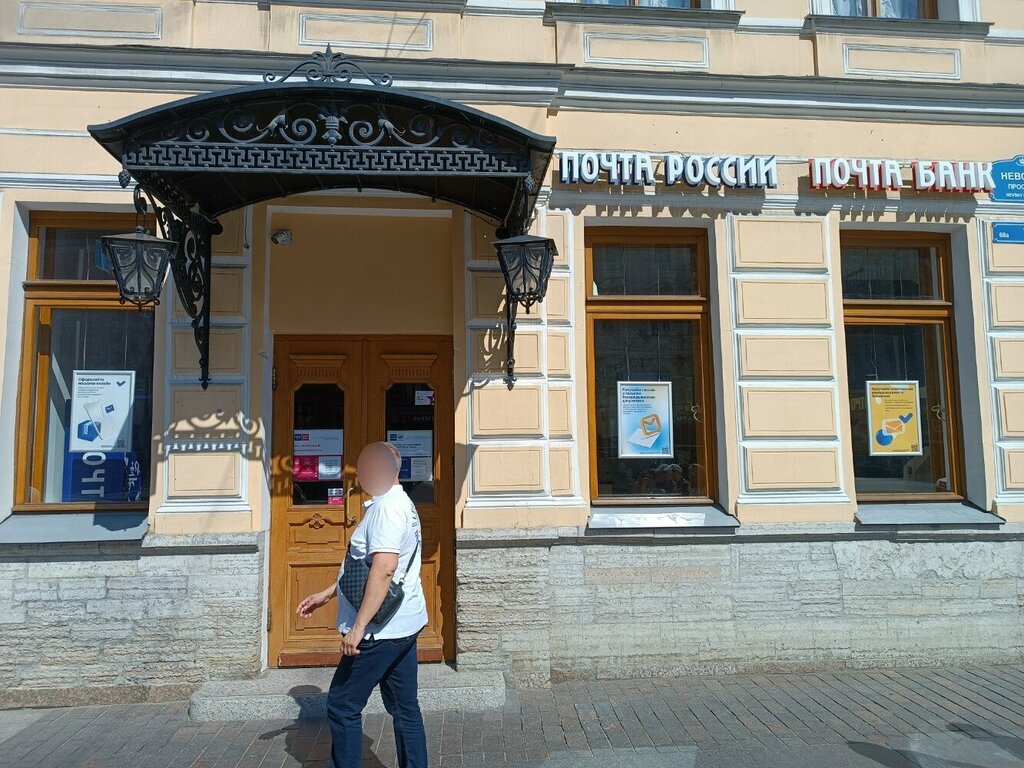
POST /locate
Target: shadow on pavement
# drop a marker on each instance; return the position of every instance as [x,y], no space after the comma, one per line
[308,740]
[964,746]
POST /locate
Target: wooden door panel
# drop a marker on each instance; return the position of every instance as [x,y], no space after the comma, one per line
[426,364]
[308,534]
[319,390]
[321,627]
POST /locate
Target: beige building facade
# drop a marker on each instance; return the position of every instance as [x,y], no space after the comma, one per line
[768,415]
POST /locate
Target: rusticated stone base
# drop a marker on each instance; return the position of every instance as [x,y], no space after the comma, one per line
[128,622]
[558,606]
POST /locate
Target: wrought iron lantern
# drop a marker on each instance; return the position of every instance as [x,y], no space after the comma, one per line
[139,260]
[526,262]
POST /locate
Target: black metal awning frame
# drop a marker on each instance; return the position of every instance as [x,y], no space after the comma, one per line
[207,155]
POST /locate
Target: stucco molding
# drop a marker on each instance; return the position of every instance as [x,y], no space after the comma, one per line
[549,85]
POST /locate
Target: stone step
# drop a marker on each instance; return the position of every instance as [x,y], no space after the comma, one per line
[300,694]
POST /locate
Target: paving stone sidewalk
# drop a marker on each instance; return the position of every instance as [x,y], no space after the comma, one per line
[963,717]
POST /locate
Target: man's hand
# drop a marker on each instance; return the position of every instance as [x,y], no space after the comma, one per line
[350,642]
[314,601]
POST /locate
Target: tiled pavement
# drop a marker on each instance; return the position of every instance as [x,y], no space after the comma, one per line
[964,717]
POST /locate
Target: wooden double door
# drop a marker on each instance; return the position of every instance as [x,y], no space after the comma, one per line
[332,396]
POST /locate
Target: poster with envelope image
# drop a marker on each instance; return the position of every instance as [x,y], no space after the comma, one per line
[645,420]
[894,423]
[101,411]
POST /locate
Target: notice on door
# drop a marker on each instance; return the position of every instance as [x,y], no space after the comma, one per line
[317,454]
[645,419]
[893,418]
[417,449]
[101,411]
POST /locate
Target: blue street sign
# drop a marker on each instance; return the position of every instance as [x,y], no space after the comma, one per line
[1008,233]
[1008,176]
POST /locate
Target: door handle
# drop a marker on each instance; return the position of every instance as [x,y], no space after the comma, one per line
[350,519]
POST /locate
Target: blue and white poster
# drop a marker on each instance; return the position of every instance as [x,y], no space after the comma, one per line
[99,476]
[101,411]
[416,447]
[1008,176]
[645,420]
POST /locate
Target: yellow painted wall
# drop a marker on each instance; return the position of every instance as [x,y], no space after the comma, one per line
[354,274]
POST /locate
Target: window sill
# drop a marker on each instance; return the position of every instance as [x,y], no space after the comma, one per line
[581,13]
[73,527]
[925,516]
[76,507]
[605,518]
[928,28]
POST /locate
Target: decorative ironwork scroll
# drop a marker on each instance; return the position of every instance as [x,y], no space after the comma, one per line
[190,268]
[329,67]
[327,123]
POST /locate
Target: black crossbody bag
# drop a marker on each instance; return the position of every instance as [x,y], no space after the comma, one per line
[352,584]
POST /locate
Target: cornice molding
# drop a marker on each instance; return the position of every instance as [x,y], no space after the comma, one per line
[931,29]
[549,86]
[699,93]
[583,13]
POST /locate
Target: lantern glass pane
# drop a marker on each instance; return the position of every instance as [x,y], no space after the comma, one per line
[140,266]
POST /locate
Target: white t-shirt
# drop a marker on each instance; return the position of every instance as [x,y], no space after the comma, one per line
[390,525]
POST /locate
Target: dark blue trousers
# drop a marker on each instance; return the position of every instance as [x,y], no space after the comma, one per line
[392,665]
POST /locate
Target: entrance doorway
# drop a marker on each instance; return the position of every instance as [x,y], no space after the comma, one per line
[332,396]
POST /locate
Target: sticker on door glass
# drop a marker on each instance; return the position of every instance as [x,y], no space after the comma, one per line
[317,454]
[417,449]
[424,397]
[893,418]
[335,496]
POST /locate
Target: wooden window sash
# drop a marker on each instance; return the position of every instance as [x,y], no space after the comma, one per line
[691,308]
[926,312]
[42,296]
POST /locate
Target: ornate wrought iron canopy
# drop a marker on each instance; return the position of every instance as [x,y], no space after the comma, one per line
[206,155]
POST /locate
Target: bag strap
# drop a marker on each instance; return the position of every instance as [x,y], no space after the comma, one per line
[411,559]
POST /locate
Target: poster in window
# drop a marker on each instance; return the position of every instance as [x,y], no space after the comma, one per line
[416,447]
[101,411]
[317,454]
[894,420]
[645,420]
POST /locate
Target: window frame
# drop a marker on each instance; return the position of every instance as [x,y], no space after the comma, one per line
[643,307]
[926,312]
[41,297]
[928,10]
[693,5]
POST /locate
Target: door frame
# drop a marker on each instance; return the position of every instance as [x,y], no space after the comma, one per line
[376,370]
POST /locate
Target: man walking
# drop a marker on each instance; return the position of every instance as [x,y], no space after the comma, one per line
[388,538]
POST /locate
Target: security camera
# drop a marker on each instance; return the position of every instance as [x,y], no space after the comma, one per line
[281,237]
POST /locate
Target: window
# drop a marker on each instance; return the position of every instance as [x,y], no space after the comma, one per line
[648,3]
[85,406]
[649,363]
[886,9]
[898,307]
